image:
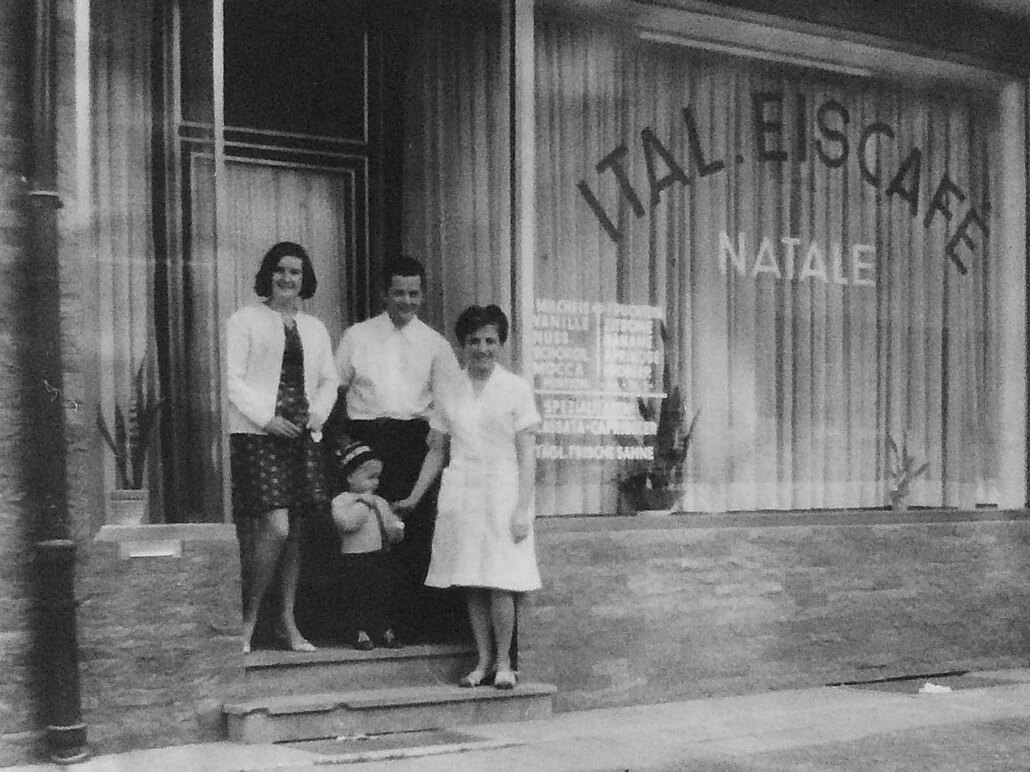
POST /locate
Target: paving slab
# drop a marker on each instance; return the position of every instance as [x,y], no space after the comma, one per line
[983,727]
[203,757]
[982,746]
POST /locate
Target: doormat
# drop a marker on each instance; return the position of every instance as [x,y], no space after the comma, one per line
[396,745]
[941,683]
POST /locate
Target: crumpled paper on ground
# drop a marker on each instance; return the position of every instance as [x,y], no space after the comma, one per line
[932,688]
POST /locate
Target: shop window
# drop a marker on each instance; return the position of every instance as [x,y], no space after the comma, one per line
[805,261]
[808,260]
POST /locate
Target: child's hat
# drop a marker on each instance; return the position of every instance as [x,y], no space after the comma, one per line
[351,455]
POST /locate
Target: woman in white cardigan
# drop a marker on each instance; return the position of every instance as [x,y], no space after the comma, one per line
[282,384]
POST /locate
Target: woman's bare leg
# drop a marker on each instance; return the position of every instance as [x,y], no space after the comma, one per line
[244,535]
[266,535]
[502,617]
[289,579]
[478,602]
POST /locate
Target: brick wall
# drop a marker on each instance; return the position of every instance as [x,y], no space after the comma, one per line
[159,636]
[665,609]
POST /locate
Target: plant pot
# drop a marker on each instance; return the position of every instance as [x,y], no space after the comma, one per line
[128,507]
[654,501]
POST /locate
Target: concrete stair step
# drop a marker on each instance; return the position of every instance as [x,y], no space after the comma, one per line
[379,711]
[331,669]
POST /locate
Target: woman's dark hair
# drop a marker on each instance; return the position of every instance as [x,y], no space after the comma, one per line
[263,280]
[402,265]
[474,317]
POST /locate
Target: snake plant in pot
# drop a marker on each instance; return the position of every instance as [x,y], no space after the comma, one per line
[657,484]
[902,469]
[129,436]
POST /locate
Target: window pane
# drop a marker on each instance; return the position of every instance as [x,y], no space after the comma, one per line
[292,67]
[816,249]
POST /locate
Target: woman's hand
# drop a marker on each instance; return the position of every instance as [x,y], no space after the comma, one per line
[431,466]
[280,427]
[403,507]
[519,525]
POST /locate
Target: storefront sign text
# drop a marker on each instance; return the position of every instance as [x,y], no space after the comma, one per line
[790,260]
[776,141]
[592,362]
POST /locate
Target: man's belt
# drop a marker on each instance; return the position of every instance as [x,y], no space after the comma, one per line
[398,422]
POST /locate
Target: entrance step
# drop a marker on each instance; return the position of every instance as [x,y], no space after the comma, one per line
[328,669]
[380,711]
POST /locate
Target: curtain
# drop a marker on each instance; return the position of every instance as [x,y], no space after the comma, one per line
[457,178]
[122,232]
[581,105]
[810,313]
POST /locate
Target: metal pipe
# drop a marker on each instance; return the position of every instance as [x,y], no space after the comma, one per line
[57,646]
[65,729]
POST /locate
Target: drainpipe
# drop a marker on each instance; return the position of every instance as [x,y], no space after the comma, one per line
[57,646]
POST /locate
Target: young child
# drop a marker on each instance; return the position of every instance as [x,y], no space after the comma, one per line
[367,527]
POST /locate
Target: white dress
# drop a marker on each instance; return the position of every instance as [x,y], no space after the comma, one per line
[479,489]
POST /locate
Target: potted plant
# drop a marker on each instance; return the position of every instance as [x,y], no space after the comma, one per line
[901,471]
[129,437]
[656,485]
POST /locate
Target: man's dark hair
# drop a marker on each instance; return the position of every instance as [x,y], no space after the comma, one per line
[474,317]
[402,265]
[263,279]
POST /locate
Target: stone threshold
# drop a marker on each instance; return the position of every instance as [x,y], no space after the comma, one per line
[275,658]
[377,698]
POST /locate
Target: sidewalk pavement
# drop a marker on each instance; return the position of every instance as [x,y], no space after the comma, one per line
[983,723]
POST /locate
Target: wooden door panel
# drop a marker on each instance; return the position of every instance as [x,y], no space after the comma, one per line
[268,203]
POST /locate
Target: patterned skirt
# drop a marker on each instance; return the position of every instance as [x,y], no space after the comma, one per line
[276,473]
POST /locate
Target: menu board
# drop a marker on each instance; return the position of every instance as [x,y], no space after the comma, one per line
[592,363]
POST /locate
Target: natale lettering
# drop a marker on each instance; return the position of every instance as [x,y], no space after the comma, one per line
[833,148]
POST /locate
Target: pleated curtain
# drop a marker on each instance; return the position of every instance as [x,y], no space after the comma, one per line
[457,178]
[800,380]
[122,260]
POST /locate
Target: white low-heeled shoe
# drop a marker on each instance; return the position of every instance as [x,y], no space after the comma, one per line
[505,679]
[302,645]
[478,677]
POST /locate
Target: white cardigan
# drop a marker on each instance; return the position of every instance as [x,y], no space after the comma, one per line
[255,339]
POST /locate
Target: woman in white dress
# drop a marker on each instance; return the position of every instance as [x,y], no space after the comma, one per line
[483,541]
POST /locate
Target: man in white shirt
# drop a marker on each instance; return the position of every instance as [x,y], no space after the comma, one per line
[391,367]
